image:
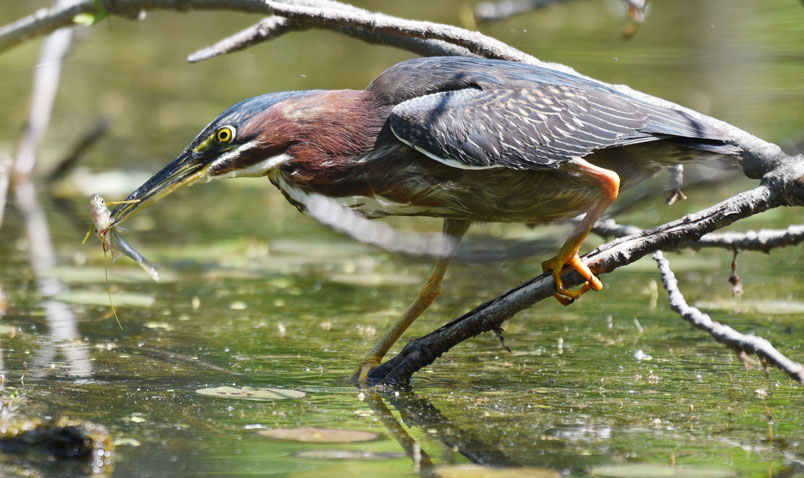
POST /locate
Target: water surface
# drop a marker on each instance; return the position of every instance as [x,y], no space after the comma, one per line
[256,294]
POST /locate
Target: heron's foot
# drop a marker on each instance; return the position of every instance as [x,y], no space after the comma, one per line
[361,373]
[556,264]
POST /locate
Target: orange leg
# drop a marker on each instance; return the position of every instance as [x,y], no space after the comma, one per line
[429,291]
[568,254]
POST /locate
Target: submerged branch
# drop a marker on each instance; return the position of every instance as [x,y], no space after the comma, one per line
[723,333]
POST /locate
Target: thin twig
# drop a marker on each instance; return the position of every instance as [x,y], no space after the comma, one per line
[723,333]
[475,42]
[266,29]
[274,27]
[763,240]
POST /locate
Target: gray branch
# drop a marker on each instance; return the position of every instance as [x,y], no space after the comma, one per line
[723,333]
[763,240]
[265,30]
[475,42]
[781,188]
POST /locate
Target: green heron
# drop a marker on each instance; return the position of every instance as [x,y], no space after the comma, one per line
[463,139]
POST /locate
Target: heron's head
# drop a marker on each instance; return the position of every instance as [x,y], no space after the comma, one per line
[249,139]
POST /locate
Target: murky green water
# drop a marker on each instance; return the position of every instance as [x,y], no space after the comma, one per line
[283,302]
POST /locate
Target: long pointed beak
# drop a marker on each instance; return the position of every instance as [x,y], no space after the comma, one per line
[183,171]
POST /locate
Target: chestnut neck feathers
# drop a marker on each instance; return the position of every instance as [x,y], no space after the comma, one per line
[331,130]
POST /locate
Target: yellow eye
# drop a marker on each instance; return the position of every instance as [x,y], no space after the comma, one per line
[225,134]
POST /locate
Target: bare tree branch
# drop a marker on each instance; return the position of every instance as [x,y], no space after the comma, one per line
[266,29]
[475,42]
[763,240]
[45,21]
[723,333]
[784,187]
[274,27]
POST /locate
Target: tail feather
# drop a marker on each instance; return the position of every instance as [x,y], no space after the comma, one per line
[715,146]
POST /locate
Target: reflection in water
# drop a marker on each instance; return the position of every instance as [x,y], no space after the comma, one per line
[62,321]
[419,412]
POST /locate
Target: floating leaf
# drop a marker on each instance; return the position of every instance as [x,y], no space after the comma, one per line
[347,455]
[477,471]
[102,298]
[248,393]
[319,435]
[658,471]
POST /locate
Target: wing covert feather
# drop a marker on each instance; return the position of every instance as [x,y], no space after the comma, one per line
[525,128]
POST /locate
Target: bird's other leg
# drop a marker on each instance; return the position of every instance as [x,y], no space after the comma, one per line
[568,254]
[453,229]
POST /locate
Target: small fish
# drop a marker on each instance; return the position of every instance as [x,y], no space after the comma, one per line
[111,239]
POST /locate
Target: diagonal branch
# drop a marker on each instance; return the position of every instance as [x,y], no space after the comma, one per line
[274,27]
[775,190]
[265,30]
[723,333]
[475,42]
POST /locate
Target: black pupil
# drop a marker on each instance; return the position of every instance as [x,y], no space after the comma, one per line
[224,135]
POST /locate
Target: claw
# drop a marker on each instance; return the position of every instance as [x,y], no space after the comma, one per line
[556,264]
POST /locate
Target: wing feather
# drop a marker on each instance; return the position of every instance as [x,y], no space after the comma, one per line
[526,128]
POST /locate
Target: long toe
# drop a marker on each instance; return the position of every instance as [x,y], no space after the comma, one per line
[563,294]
